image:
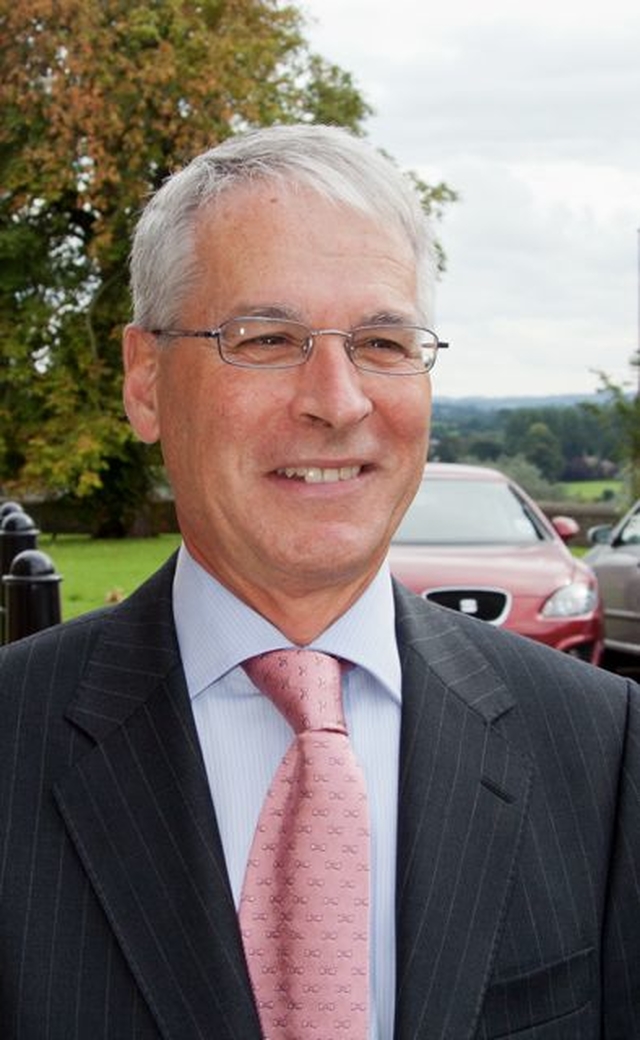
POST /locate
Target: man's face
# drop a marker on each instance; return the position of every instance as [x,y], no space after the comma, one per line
[287,482]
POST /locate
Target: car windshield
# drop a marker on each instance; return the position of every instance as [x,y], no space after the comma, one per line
[463,512]
[630,533]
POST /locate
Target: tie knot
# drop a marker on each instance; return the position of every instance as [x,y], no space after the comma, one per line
[303,684]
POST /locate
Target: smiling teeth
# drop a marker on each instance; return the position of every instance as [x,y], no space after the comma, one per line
[316,475]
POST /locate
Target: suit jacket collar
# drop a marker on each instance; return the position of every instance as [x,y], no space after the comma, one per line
[138,809]
[463,797]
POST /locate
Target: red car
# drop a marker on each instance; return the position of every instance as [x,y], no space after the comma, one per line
[474,541]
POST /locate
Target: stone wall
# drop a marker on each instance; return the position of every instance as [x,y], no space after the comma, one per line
[586,514]
[58,517]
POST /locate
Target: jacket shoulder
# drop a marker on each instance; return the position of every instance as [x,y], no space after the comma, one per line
[56,657]
[453,644]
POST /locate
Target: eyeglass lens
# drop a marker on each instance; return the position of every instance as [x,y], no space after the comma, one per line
[275,343]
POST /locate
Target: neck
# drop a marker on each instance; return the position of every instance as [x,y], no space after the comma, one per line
[303,618]
[301,613]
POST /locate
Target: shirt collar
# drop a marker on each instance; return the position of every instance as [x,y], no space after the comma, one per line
[217,631]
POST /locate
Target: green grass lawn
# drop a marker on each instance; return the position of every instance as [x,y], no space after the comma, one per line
[592,490]
[96,572]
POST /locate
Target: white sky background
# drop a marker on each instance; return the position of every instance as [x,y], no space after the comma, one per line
[531,111]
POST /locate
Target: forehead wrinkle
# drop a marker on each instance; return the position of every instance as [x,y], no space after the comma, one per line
[382,268]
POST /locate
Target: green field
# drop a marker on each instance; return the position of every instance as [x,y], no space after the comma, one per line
[592,490]
[96,572]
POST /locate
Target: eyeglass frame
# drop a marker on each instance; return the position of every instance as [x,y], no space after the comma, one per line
[308,343]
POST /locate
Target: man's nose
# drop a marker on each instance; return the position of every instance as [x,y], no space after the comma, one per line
[329,388]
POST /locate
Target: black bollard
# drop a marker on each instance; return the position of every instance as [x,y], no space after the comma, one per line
[9,507]
[32,594]
[18,532]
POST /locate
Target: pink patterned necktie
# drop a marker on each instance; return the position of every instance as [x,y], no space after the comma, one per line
[304,909]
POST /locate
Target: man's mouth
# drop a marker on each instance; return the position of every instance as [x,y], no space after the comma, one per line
[318,474]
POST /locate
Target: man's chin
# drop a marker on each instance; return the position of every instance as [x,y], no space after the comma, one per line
[332,562]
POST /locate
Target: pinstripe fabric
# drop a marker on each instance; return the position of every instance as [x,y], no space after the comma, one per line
[518,840]
[117,919]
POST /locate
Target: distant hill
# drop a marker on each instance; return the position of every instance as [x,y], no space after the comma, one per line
[446,405]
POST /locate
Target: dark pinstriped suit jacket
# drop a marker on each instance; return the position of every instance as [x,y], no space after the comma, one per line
[518,855]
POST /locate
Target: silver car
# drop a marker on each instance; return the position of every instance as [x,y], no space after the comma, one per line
[615,558]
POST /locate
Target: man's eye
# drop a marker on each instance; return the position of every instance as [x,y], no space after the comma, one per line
[379,344]
[274,339]
[265,341]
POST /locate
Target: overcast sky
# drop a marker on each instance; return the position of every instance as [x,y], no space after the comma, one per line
[531,111]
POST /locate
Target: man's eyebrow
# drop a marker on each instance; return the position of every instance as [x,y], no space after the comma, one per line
[288,313]
[388,318]
[268,310]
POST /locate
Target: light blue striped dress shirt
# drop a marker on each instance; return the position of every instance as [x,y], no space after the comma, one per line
[243,736]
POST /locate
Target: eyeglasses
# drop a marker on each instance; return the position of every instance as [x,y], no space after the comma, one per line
[388,349]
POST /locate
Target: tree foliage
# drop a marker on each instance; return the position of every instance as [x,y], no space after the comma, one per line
[562,442]
[525,473]
[101,100]
[621,412]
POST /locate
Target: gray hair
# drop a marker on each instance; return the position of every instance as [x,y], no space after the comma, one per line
[327,159]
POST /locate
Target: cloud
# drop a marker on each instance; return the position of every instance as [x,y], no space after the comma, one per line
[512,94]
[544,294]
[531,114]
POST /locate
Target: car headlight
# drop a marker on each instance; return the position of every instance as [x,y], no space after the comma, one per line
[570,601]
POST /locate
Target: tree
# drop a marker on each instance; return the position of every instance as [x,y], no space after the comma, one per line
[528,476]
[101,99]
[542,449]
[622,413]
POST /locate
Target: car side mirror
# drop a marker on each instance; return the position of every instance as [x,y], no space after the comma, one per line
[565,526]
[600,535]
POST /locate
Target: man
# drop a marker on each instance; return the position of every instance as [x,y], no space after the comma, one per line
[502,778]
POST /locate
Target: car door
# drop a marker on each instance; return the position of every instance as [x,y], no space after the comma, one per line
[618,571]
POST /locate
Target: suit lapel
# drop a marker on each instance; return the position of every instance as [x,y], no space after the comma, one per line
[462,802]
[138,810]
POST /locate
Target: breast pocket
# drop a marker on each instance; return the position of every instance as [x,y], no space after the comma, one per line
[522,1005]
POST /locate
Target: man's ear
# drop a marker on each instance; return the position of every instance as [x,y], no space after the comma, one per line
[140,355]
